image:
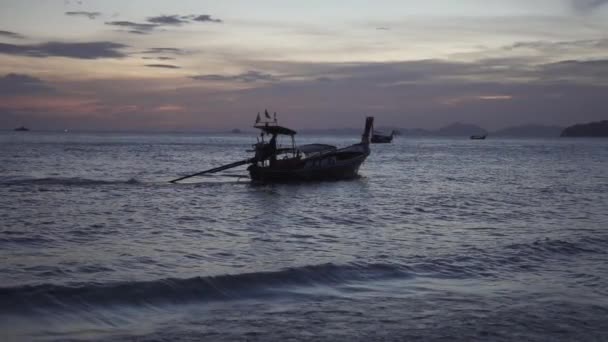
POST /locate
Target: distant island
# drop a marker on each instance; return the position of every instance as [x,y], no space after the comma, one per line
[530,130]
[236,131]
[592,129]
[459,129]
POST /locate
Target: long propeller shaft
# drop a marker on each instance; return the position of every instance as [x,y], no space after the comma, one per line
[216,169]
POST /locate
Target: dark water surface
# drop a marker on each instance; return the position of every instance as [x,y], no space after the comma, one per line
[440,239]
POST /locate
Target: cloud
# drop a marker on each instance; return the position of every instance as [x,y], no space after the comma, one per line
[249,76]
[426,72]
[137,27]
[577,65]
[426,93]
[551,47]
[587,5]
[580,71]
[169,108]
[444,96]
[153,23]
[168,20]
[12,84]
[10,34]
[206,18]
[166,66]
[90,50]
[160,58]
[164,50]
[90,15]
[177,19]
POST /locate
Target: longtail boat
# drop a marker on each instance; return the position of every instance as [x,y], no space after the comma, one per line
[381,138]
[479,137]
[272,163]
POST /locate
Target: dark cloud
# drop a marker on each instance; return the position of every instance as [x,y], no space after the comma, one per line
[164,50]
[587,5]
[159,21]
[391,73]
[429,93]
[183,19]
[139,27]
[594,65]
[582,71]
[165,66]
[160,58]
[443,97]
[10,34]
[168,20]
[399,74]
[137,32]
[13,84]
[249,76]
[206,18]
[91,50]
[551,47]
[90,15]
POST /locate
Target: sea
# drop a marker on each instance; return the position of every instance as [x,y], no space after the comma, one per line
[440,239]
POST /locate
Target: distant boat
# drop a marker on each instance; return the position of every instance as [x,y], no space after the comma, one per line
[479,137]
[381,138]
[22,129]
[236,131]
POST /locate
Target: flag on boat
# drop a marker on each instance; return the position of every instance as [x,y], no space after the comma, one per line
[257,120]
[275,116]
[266,113]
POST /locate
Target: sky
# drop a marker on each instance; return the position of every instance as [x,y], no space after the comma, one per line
[190,65]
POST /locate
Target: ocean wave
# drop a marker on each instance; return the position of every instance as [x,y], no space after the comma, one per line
[476,263]
[172,290]
[503,261]
[73,181]
[561,247]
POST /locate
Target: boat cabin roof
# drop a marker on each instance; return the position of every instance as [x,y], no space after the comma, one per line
[275,129]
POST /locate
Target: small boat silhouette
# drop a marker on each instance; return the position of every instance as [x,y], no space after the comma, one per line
[381,138]
[22,129]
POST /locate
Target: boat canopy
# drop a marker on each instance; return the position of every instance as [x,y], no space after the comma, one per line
[314,148]
[276,129]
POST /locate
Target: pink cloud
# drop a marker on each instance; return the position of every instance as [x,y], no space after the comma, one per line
[169,108]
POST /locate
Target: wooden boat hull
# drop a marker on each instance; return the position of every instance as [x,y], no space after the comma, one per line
[335,165]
